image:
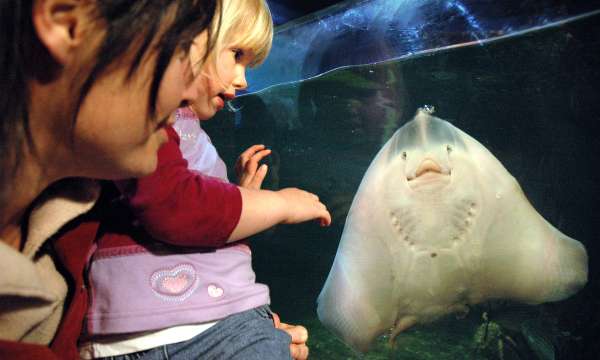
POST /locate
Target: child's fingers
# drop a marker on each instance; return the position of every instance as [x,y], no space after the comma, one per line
[252,149]
[247,154]
[253,179]
[242,160]
[325,219]
[322,213]
[252,164]
[259,177]
[325,216]
[259,155]
[250,167]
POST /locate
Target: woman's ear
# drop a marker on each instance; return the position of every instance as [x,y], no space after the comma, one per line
[59,25]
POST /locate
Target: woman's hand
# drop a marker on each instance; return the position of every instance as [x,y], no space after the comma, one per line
[299,335]
[249,174]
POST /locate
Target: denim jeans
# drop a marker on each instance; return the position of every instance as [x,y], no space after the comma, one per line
[249,335]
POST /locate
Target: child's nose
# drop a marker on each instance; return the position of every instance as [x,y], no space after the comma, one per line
[239,83]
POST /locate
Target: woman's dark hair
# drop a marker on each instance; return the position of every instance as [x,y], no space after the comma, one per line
[127,23]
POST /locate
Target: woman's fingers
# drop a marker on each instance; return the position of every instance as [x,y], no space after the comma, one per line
[299,335]
[299,352]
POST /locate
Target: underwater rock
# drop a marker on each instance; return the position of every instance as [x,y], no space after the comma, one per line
[438,224]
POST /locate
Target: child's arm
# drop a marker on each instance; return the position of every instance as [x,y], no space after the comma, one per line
[180,207]
[262,209]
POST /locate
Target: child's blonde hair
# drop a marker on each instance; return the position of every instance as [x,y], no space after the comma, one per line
[246,24]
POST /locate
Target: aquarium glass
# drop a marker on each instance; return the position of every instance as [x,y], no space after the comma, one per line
[368,31]
[523,78]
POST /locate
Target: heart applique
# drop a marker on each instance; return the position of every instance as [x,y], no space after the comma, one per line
[214,291]
[175,284]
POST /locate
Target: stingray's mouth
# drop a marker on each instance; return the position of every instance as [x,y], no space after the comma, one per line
[428,168]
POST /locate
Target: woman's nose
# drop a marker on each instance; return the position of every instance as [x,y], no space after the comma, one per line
[190,92]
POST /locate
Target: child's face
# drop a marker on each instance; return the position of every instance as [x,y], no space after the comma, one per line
[115,136]
[216,85]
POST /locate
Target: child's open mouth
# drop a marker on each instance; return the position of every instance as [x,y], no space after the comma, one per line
[224,99]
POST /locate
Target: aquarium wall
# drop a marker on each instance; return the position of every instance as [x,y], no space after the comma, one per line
[523,79]
[368,31]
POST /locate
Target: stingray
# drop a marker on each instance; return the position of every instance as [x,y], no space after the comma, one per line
[438,224]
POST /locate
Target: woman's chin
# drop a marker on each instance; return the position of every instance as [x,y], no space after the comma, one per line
[143,168]
[142,165]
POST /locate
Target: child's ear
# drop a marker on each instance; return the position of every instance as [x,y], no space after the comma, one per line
[59,25]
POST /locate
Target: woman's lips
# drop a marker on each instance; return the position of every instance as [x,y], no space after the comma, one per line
[163,123]
[163,136]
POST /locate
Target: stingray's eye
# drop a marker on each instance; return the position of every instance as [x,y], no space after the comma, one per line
[404,155]
[449,148]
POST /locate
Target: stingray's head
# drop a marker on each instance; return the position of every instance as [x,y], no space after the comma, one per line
[425,146]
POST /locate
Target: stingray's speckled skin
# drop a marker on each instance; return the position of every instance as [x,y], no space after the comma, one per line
[438,223]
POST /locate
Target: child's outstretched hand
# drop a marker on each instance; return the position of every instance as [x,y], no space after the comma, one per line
[249,174]
[263,209]
[302,206]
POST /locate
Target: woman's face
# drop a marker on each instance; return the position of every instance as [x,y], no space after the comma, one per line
[115,136]
[218,83]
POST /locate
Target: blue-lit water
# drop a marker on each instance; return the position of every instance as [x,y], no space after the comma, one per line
[533,100]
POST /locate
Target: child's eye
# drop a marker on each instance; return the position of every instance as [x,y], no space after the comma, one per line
[239,53]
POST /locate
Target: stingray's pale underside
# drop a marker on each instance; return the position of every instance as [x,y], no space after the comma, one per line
[438,224]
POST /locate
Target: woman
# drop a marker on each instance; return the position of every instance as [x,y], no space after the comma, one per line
[86,90]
